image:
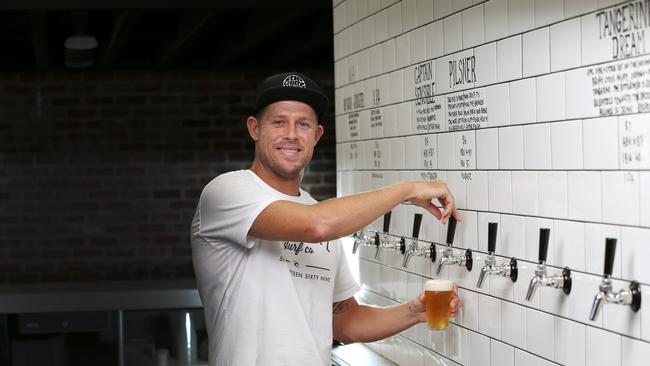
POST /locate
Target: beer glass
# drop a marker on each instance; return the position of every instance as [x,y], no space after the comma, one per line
[437,296]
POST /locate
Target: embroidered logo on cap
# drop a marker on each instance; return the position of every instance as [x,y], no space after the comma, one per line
[295,81]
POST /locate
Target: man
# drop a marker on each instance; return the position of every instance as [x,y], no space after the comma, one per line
[267,271]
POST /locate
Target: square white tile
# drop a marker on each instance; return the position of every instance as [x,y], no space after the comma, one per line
[479,350]
[633,154]
[644,199]
[396,83]
[446,143]
[458,344]
[548,11]
[442,8]
[501,354]
[513,238]
[418,45]
[578,7]
[540,333]
[579,95]
[511,149]
[457,185]
[537,146]
[486,64]
[521,16]
[566,145]
[452,33]
[402,50]
[434,39]
[525,197]
[623,209]
[600,144]
[381,25]
[443,79]
[509,58]
[390,120]
[634,352]
[428,152]
[523,101]
[595,48]
[368,27]
[552,188]
[404,124]
[489,316]
[584,192]
[424,11]
[496,19]
[409,15]
[513,324]
[472,22]
[565,44]
[498,103]
[395,20]
[388,55]
[500,191]
[412,152]
[468,315]
[550,97]
[487,148]
[603,348]
[569,342]
[536,57]
[523,358]
[477,191]
[634,253]
[569,244]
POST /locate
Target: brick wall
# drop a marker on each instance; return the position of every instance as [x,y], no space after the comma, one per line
[100,172]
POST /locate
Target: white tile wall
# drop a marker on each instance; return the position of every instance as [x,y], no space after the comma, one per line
[544,155]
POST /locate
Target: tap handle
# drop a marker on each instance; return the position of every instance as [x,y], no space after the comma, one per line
[492,236]
[543,243]
[417,223]
[402,245]
[451,230]
[387,221]
[432,252]
[610,250]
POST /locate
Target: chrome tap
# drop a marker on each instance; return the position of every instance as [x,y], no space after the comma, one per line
[413,247]
[606,295]
[505,269]
[558,280]
[448,255]
[360,237]
[383,241]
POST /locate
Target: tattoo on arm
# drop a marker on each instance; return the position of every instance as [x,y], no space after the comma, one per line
[340,307]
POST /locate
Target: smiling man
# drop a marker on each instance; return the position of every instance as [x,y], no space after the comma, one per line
[272,276]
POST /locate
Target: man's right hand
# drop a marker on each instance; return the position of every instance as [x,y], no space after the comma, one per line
[425,192]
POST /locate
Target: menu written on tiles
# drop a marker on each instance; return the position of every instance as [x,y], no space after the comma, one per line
[634,133]
[466,110]
[621,87]
[625,25]
[426,107]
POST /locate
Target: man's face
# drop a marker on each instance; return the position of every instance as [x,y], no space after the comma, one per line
[286,134]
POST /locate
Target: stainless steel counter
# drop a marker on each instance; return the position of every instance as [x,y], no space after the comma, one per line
[99,296]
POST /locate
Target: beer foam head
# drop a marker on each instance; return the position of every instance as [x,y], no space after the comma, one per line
[438,285]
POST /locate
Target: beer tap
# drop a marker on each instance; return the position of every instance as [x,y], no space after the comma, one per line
[386,243]
[414,249]
[630,296]
[505,269]
[360,237]
[558,280]
[448,255]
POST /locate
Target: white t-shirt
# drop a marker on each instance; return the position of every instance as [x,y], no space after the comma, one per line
[265,302]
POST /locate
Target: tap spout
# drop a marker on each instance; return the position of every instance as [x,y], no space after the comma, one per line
[535,282]
[597,305]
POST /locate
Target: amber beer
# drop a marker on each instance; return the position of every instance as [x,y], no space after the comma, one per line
[437,296]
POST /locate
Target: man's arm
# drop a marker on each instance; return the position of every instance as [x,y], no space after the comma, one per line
[338,217]
[352,322]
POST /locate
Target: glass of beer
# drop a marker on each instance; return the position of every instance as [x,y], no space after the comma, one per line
[437,297]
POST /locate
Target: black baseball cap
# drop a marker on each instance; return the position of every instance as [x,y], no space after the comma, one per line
[291,86]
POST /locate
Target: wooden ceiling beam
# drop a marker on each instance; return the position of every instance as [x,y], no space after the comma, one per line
[123,25]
